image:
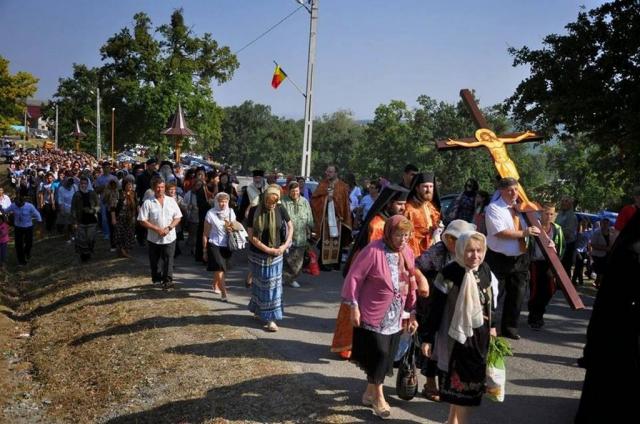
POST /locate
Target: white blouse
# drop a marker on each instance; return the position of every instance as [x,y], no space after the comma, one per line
[217,233]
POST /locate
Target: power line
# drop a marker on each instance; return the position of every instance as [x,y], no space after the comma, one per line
[269,30]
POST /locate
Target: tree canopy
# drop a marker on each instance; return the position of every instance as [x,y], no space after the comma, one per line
[144,78]
[14,90]
[585,86]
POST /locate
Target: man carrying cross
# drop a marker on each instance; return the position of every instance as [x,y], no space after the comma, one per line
[507,252]
[507,169]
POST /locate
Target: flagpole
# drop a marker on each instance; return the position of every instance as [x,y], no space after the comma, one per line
[291,81]
[308,106]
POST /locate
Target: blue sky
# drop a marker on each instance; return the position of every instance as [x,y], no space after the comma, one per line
[368,52]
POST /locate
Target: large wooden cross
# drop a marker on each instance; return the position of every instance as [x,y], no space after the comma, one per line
[484,137]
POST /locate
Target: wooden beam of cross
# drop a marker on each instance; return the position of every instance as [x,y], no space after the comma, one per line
[484,137]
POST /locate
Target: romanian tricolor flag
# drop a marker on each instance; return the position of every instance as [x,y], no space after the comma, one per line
[278,76]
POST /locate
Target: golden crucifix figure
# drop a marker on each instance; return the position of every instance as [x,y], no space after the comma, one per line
[496,145]
[501,159]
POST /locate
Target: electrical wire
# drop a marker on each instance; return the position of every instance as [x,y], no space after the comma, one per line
[267,31]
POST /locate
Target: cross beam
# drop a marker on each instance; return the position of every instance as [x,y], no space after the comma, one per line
[506,168]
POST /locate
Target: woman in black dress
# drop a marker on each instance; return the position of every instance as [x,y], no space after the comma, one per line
[457,331]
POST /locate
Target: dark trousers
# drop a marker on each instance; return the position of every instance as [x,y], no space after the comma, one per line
[141,234]
[568,256]
[24,241]
[112,232]
[542,287]
[161,261]
[578,270]
[48,216]
[512,273]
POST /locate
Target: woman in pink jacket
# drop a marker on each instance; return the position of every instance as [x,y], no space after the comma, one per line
[380,286]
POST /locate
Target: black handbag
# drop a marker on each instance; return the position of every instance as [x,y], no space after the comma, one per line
[407,378]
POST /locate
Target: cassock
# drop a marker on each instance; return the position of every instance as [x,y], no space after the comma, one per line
[330,207]
[425,216]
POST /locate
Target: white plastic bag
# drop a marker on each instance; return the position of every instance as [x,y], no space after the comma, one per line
[496,381]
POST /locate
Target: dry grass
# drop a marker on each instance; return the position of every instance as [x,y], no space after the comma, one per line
[106,346]
[85,343]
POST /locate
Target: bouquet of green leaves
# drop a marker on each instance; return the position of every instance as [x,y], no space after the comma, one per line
[499,348]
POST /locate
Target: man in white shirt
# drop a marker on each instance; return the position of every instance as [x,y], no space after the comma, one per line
[160,216]
[255,189]
[5,201]
[507,255]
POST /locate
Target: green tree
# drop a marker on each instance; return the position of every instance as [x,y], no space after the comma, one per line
[14,90]
[283,146]
[387,144]
[587,83]
[144,78]
[76,99]
[573,167]
[334,139]
[246,133]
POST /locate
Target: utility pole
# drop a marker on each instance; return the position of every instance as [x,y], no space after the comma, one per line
[308,106]
[26,123]
[98,144]
[113,133]
[56,125]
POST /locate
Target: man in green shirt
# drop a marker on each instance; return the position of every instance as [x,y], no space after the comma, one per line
[300,213]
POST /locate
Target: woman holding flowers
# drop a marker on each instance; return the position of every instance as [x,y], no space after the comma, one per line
[457,331]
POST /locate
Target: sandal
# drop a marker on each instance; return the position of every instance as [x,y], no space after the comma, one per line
[271,327]
[384,412]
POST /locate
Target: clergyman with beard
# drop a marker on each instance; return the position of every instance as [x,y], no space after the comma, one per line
[423,210]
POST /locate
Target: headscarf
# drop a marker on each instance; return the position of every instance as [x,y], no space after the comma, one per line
[223,213]
[265,217]
[467,313]
[389,194]
[390,227]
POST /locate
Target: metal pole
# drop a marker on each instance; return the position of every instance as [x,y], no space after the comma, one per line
[113,132]
[98,144]
[308,106]
[56,125]
[26,126]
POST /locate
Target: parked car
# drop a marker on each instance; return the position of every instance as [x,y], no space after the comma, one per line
[593,218]
[446,204]
[309,182]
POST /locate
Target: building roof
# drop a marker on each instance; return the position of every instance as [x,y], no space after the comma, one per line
[34,111]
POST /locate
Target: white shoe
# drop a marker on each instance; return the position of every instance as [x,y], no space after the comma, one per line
[112,250]
[295,285]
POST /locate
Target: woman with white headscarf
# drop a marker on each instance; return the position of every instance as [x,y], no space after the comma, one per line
[218,223]
[456,334]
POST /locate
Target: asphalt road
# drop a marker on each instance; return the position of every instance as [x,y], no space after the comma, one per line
[543,381]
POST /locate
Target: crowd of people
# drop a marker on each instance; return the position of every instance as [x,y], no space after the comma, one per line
[408,266]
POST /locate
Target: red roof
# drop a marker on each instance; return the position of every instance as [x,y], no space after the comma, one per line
[34,111]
